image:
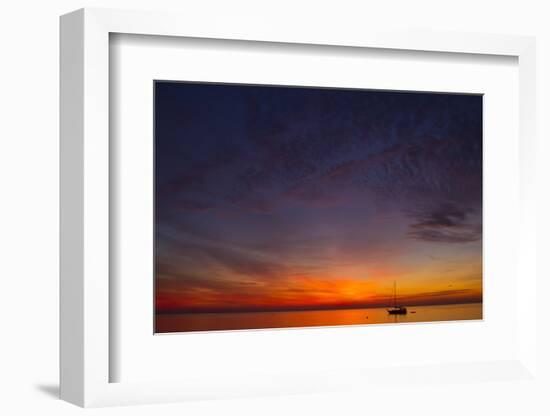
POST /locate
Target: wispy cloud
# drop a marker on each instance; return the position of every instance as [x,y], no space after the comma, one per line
[445,223]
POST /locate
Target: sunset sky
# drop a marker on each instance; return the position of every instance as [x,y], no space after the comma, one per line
[281,198]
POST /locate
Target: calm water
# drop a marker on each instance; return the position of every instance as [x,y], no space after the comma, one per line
[255,320]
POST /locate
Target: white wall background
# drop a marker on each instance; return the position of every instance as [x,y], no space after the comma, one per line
[29,189]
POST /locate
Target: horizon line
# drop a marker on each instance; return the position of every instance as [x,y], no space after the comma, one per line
[306,308]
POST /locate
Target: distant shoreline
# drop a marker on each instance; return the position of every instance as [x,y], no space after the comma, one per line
[305,309]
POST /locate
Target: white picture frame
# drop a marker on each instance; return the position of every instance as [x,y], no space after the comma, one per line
[85,217]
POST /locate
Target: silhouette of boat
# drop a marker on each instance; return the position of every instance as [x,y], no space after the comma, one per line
[396,310]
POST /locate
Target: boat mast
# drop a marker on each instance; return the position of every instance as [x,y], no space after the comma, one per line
[394,294]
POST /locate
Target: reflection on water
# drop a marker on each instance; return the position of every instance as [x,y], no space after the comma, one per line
[255,320]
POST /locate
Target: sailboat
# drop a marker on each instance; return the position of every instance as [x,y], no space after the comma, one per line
[396,310]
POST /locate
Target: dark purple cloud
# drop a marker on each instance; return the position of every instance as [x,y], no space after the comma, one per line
[446,223]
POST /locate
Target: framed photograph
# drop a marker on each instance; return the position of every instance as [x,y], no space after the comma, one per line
[270,211]
[280,206]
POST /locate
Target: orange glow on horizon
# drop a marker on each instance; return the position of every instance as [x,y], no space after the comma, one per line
[306,292]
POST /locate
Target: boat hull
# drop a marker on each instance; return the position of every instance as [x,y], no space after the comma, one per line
[397,311]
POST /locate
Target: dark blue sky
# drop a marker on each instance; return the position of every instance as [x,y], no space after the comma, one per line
[282,197]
